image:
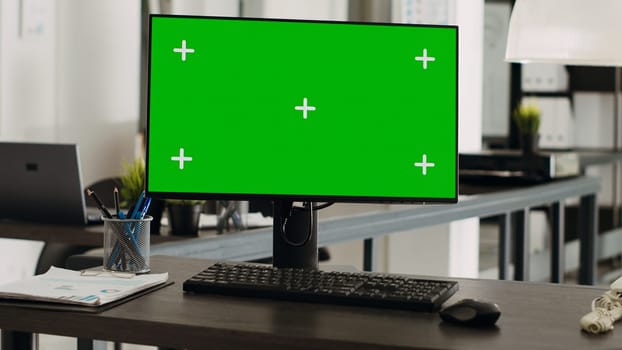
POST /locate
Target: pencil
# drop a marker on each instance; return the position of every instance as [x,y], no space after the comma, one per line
[99,203]
[116,201]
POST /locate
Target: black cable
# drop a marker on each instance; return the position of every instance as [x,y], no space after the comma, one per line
[317,207]
[309,233]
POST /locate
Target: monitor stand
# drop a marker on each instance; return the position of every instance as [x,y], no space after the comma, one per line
[294,237]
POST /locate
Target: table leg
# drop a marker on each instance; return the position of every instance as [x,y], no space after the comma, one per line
[505,231]
[521,259]
[370,255]
[13,340]
[588,223]
[557,242]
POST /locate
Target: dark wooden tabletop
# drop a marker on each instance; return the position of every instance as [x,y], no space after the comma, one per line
[534,316]
[85,235]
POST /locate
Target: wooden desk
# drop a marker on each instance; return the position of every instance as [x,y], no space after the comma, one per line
[62,241]
[534,316]
[87,235]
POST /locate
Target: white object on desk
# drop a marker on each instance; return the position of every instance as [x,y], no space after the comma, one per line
[606,310]
[72,287]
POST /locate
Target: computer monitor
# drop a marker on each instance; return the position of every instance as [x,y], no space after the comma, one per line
[350,112]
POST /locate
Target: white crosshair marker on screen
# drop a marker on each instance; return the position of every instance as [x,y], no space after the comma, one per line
[183,50]
[304,108]
[181,158]
[425,58]
[424,164]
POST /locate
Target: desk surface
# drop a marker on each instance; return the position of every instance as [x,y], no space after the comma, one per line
[535,316]
[87,235]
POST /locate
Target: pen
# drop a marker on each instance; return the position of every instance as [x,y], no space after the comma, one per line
[145,208]
[140,216]
[116,201]
[99,203]
[139,202]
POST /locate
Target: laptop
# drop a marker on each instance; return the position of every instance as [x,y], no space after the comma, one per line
[41,182]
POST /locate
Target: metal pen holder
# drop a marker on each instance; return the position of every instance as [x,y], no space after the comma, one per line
[126,244]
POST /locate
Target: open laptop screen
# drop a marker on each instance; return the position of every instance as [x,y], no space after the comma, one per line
[41,182]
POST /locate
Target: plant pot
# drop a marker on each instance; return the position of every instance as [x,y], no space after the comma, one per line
[184,219]
[529,144]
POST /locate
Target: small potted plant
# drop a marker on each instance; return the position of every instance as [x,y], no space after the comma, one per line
[132,185]
[183,215]
[527,119]
[132,181]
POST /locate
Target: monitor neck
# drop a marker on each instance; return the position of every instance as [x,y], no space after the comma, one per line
[294,236]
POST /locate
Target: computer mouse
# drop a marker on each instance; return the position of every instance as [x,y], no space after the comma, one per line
[471,312]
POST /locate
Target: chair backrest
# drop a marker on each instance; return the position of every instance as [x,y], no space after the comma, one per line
[104,189]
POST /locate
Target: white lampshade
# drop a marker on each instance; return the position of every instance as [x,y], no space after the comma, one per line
[573,32]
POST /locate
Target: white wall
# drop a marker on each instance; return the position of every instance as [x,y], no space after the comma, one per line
[97,105]
[297,9]
[27,73]
[464,242]
[496,71]
[70,74]
[205,7]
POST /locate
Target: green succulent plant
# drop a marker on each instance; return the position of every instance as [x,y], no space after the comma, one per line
[527,118]
[132,181]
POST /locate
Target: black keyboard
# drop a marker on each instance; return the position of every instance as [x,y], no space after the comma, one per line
[355,288]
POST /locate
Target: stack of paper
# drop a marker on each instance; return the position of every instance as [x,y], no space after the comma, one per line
[94,288]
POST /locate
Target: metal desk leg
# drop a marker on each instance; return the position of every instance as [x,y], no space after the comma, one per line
[588,223]
[521,261]
[505,230]
[558,262]
[370,255]
[13,340]
[84,344]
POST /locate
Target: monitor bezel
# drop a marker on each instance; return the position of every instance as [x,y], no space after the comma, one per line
[296,197]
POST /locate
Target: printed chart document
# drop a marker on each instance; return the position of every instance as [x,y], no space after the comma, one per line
[94,288]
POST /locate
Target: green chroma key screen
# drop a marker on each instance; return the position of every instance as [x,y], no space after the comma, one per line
[302,109]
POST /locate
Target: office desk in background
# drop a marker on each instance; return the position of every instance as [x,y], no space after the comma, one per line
[534,316]
[91,235]
[376,221]
[61,241]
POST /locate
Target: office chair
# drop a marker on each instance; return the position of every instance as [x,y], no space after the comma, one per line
[104,189]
